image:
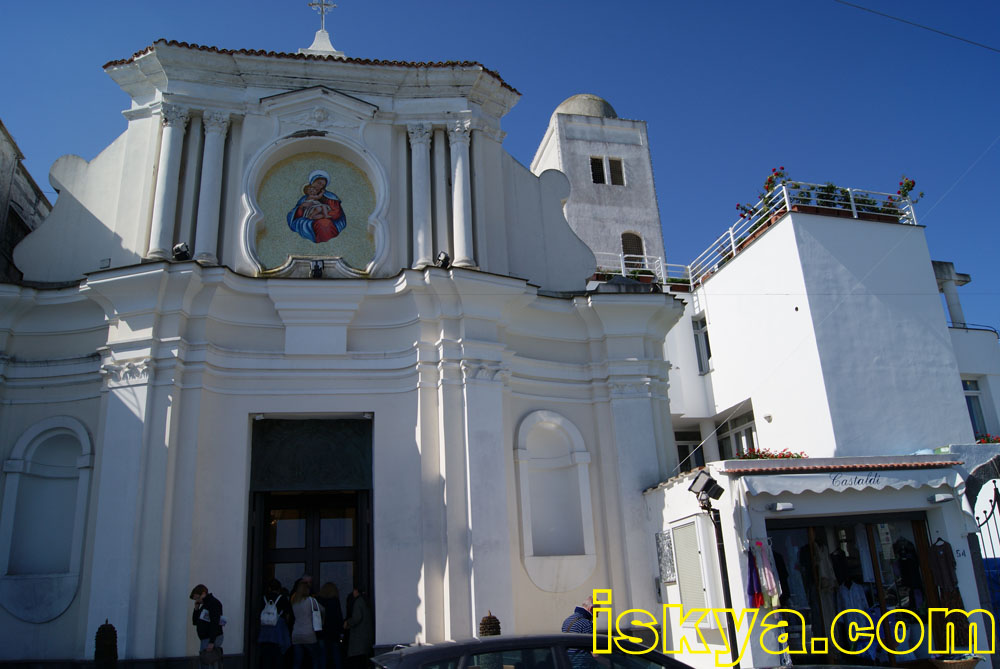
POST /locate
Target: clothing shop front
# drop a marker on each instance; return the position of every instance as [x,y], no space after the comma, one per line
[803,541]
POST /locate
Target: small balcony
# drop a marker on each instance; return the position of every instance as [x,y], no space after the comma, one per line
[803,198]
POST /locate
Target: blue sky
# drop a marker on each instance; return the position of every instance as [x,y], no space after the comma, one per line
[728,89]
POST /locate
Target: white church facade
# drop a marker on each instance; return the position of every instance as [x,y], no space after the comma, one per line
[307,315]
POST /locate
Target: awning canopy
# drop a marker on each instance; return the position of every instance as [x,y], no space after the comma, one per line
[838,481]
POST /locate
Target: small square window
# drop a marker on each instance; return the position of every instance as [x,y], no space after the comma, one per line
[616,171]
[597,170]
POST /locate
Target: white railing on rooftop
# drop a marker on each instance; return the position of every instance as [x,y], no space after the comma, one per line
[631,265]
[806,198]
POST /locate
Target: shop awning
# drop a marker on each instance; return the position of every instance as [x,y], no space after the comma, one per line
[838,481]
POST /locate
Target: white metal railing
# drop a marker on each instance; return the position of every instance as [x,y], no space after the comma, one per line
[822,199]
[630,265]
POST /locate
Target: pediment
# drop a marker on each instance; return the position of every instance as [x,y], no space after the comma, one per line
[319,108]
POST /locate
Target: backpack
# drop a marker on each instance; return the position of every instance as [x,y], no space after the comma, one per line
[269,616]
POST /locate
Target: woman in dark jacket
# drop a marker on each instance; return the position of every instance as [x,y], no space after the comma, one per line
[333,623]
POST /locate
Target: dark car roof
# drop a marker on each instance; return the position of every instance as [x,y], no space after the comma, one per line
[413,656]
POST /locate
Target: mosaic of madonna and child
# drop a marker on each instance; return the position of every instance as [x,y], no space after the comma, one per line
[315,204]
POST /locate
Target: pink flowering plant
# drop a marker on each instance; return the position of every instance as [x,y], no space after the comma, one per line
[988,439]
[768,454]
[777,177]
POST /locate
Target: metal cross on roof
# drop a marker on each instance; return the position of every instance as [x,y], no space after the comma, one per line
[322,6]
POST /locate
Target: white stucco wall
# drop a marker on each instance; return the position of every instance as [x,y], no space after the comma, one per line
[600,213]
[977,353]
[764,345]
[192,354]
[881,336]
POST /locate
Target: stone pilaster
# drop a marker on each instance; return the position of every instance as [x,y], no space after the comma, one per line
[161,233]
[207,234]
[118,497]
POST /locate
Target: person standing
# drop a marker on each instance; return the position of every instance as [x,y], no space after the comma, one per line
[361,633]
[275,618]
[207,619]
[304,639]
[333,623]
[581,621]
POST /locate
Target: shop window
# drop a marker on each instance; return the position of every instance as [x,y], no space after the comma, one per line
[557,526]
[974,404]
[871,563]
[737,436]
[702,348]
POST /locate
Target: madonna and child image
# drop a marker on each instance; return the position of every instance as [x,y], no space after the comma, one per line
[306,201]
[318,215]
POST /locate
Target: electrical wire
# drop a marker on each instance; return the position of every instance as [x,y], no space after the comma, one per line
[918,25]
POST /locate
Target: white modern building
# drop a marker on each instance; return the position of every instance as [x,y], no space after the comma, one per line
[307,315]
[815,325]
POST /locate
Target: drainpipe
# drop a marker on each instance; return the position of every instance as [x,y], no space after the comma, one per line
[727,597]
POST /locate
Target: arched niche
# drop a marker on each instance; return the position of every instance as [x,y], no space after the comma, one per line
[274,187]
[556,514]
[43,518]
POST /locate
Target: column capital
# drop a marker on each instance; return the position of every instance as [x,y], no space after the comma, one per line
[458,131]
[420,133]
[215,121]
[174,115]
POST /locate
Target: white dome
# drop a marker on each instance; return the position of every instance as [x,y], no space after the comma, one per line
[586,104]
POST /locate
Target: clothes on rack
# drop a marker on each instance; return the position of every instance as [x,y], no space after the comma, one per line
[864,553]
[755,598]
[769,585]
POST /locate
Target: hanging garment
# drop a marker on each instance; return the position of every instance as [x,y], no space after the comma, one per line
[769,585]
[755,598]
[942,564]
[864,553]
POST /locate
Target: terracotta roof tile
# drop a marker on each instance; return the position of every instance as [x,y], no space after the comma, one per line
[302,56]
[842,468]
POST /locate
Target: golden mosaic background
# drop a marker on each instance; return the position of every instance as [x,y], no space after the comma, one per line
[281,189]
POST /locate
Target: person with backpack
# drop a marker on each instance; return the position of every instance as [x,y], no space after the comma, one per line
[274,639]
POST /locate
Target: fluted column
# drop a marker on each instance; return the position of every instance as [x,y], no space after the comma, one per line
[207,233]
[420,173]
[461,193]
[161,234]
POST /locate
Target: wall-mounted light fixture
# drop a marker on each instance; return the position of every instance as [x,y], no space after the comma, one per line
[182,251]
[706,488]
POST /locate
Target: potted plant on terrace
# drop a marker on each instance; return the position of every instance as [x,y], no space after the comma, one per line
[642,275]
